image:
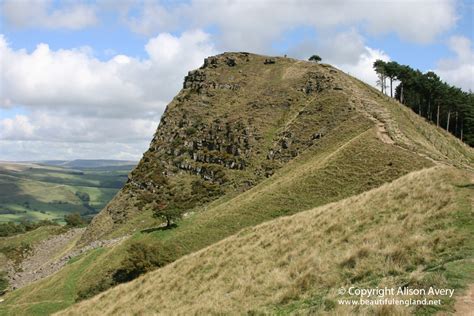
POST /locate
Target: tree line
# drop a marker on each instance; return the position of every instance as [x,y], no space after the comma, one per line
[445,105]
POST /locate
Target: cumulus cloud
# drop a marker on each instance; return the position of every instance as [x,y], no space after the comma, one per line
[458,71]
[74,81]
[73,100]
[45,150]
[345,50]
[153,17]
[253,25]
[49,126]
[43,14]
[18,127]
[363,68]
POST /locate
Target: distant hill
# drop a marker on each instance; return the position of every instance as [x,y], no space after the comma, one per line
[50,190]
[87,163]
[295,180]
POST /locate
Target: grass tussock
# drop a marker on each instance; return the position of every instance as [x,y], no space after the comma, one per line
[416,230]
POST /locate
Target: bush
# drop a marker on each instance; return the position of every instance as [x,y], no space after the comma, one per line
[74,220]
[10,228]
[3,282]
[141,258]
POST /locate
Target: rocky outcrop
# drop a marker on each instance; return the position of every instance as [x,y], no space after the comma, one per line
[40,262]
[196,80]
[318,82]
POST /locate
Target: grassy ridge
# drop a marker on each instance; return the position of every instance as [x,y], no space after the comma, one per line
[415,231]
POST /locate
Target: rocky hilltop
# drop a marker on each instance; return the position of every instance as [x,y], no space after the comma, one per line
[237,119]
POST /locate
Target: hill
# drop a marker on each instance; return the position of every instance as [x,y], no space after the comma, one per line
[252,138]
[88,163]
[240,117]
[34,191]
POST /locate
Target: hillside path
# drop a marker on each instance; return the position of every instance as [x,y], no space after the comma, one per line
[465,304]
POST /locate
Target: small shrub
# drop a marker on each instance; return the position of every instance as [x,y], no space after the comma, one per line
[141,258]
[74,220]
[3,282]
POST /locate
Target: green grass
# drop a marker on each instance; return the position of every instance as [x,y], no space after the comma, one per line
[416,230]
[49,193]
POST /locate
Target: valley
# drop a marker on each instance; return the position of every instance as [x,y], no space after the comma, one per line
[49,190]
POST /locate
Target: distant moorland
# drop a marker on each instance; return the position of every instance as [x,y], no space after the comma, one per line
[48,190]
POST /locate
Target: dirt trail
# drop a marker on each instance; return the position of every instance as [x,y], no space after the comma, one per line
[387,128]
[465,304]
[50,255]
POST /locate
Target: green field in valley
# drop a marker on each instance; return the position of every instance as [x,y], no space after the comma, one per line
[48,191]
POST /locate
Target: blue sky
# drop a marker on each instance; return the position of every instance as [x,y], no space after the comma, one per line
[74,73]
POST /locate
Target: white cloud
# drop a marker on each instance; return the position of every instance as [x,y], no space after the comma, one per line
[153,17]
[73,100]
[53,127]
[74,81]
[253,25]
[48,135]
[43,150]
[334,48]
[345,50]
[43,14]
[458,71]
[363,68]
[18,127]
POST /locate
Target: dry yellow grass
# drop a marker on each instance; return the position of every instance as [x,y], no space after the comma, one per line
[381,237]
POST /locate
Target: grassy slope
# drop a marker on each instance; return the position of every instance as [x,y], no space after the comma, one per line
[417,230]
[49,193]
[342,168]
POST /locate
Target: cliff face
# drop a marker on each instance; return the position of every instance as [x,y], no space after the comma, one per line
[237,119]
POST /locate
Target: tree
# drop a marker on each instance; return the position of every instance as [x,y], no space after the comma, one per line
[74,220]
[315,58]
[170,212]
[446,106]
[380,70]
[392,69]
[404,75]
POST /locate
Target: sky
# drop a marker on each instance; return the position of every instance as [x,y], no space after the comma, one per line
[90,79]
